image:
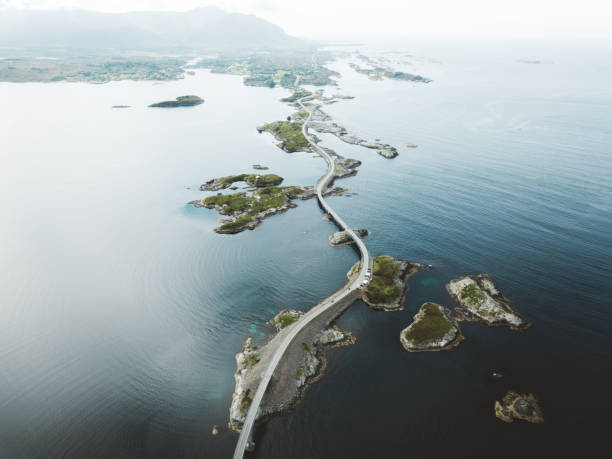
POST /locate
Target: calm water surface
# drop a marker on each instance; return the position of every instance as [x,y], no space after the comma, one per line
[121,310]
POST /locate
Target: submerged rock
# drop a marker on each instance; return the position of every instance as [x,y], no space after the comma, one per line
[480,300]
[519,406]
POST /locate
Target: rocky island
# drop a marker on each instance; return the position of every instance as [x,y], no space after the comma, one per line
[480,300]
[433,329]
[256,180]
[518,406]
[247,210]
[342,237]
[389,285]
[182,101]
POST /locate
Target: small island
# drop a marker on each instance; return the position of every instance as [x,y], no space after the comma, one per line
[247,209]
[182,101]
[480,300]
[389,284]
[342,238]
[433,329]
[519,406]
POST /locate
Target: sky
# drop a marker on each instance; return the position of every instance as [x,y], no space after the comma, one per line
[354,19]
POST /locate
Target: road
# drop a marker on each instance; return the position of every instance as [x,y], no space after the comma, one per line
[247,428]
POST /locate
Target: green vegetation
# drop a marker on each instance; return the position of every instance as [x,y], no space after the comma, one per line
[270,69]
[250,360]
[91,69]
[245,400]
[433,325]
[292,191]
[284,320]
[299,373]
[297,94]
[472,293]
[182,101]
[263,180]
[289,134]
[306,347]
[238,224]
[237,202]
[383,288]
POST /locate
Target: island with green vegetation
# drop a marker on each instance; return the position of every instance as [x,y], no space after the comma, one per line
[256,180]
[433,329]
[524,407]
[182,101]
[247,209]
[387,289]
[480,300]
[288,135]
[342,237]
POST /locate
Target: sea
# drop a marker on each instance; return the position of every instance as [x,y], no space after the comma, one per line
[121,310]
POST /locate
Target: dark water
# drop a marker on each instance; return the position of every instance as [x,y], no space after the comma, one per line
[121,311]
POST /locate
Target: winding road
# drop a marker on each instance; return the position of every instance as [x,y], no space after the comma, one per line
[355,284]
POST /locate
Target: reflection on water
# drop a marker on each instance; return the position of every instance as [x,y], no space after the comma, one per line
[121,310]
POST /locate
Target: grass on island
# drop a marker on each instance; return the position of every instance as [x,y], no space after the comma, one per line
[289,134]
[433,326]
[299,373]
[237,202]
[245,400]
[472,293]
[297,94]
[306,347]
[257,180]
[241,221]
[263,180]
[382,289]
[250,360]
[292,191]
[284,320]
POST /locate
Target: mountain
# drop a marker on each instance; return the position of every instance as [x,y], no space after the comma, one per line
[203,28]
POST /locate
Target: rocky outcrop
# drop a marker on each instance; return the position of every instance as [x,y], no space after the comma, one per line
[433,329]
[342,237]
[480,300]
[323,123]
[304,362]
[346,167]
[519,406]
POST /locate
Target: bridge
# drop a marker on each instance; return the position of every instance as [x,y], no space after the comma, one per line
[245,438]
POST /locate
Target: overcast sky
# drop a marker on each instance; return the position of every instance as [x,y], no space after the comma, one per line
[348,19]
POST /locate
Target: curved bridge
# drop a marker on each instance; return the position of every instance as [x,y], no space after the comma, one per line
[245,434]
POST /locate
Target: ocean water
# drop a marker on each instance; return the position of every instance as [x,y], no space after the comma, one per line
[121,310]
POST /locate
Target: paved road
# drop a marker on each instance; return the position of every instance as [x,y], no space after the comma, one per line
[247,428]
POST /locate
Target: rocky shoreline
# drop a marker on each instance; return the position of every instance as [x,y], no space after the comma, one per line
[480,300]
[524,407]
[396,276]
[433,329]
[342,238]
[306,367]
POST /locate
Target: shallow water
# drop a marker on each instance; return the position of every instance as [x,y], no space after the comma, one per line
[121,310]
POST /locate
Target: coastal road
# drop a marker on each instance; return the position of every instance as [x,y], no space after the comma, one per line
[355,284]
